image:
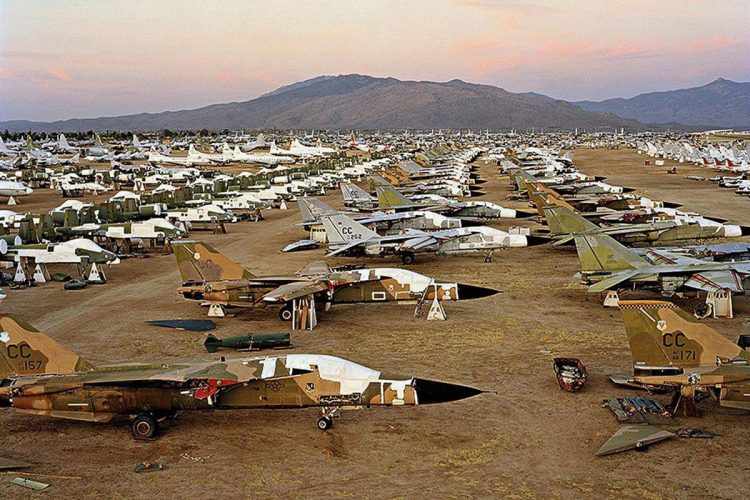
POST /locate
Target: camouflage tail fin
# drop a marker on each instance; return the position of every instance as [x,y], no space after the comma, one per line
[661,334]
[341,229]
[200,262]
[602,253]
[562,220]
[388,197]
[522,179]
[24,350]
[537,198]
[70,218]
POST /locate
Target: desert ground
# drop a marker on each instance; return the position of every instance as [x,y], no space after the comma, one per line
[524,438]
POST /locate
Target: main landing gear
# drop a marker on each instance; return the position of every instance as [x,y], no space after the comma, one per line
[325,422]
[144,426]
[408,258]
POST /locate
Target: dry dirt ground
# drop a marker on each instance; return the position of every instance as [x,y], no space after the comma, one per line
[527,439]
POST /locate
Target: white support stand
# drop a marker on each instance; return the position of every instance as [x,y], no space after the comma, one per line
[215,311]
[436,313]
[20,276]
[283,205]
[12,201]
[39,275]
[96,276]
[720,302]
[612,299]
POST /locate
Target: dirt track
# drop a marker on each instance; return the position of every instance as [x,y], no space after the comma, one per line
[529,439]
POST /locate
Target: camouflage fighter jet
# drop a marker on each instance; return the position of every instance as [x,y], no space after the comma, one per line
[38,376]
[671,349]
[468,211]
[564,224]
[606,264]
[210,276]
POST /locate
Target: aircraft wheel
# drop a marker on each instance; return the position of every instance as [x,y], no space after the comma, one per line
[408,258]
[325,423]
[144,426]
[285,313]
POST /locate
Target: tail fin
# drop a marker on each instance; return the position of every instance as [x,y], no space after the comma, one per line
[351,192]
[24,350]
[341,229]
[601,253]
[522,178]
[542,196]
[661,334]
[388,197]
[561,220]
[200,261]
[312,209]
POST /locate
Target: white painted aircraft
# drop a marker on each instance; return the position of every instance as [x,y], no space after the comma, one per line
[258,143]
[76,251]
[14,188]
[236,155]
[97,151]
[194,154]
[158,158]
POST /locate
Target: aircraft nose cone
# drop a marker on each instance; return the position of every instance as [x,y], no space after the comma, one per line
[433,391]
[474,292]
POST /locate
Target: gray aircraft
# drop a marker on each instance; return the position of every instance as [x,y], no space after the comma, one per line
[349,237]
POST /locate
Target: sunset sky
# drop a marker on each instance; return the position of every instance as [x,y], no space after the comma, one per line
[64,59]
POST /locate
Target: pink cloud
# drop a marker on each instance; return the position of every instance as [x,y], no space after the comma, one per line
[716,42]
[7,73]
[59,74]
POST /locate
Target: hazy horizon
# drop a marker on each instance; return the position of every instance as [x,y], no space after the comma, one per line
[84,59]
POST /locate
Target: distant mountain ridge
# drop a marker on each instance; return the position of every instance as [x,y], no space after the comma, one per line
[721,103]
[360,102]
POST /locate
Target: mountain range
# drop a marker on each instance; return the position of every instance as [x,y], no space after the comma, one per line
[721,103]
[365,102]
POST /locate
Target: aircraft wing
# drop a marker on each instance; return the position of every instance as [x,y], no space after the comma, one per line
[612,281]
[382,217]
[671,258]
[631,437]
[562,241]
[228,372]
[295,290]
[347,247]
[711,281]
